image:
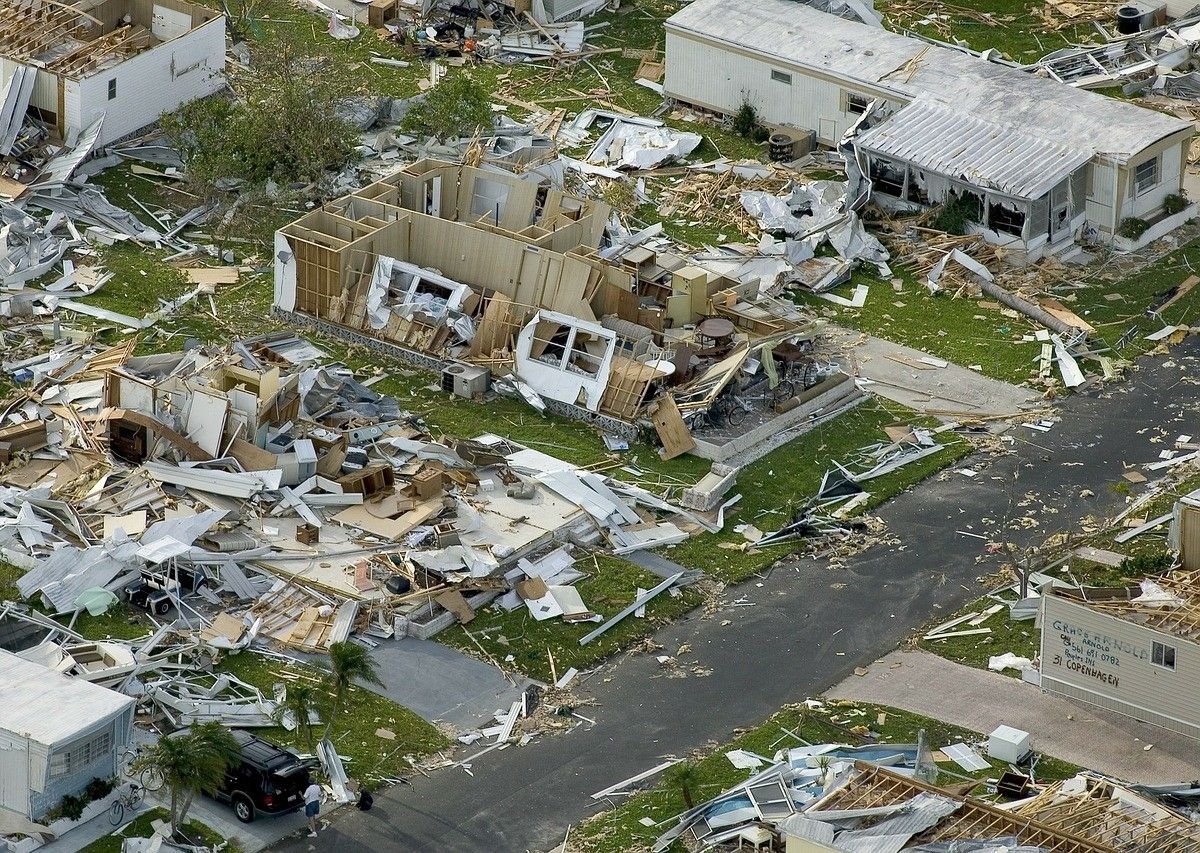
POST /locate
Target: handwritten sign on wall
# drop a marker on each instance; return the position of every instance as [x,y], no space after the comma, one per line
[1091,654]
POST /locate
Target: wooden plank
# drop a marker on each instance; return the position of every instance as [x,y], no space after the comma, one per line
[1185,287]
[671,429]
[453,601]
[212,275]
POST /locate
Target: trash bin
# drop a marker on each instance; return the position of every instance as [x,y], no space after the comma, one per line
[1129,19]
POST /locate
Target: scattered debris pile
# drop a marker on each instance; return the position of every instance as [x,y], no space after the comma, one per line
[263,495]
[882,795]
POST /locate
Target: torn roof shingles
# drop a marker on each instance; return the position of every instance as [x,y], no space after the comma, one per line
[796,34]
[943,140]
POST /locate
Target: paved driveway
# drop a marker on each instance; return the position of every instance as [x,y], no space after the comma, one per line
[979,700]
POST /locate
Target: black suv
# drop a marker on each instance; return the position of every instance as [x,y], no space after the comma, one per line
[269,779]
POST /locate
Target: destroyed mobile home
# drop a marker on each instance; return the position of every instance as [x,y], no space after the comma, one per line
[116,65]
[884,797]
[495,278]
[290,494]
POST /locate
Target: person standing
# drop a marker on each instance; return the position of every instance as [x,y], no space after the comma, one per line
[312,807]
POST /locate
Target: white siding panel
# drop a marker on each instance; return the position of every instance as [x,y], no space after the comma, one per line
[45,86]
[1103,184]
[721,80]
[1150,202]
[154,82]
[1107,662]
[14,775]
[71,106]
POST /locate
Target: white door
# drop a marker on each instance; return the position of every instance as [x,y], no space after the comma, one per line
[433,196]
[14,780]
[828,131]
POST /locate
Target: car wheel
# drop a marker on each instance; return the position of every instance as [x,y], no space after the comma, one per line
[243,808]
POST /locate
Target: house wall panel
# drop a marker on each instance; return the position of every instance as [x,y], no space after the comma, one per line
[153,82]
[1106,661]
[1145,205]
[14,773]
[721,79]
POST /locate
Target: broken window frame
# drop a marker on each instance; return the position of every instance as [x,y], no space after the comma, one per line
[1162,655]
[855,104]
[884,183]
[1003,219]
[1143,185]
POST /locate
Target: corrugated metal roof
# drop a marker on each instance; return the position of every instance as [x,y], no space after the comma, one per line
[794,34]
[64,575]
[51,708]
[947,141]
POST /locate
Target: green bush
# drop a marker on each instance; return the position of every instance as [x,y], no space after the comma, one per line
[745,120]
[457,106]
[71,807]
[1174,203]
[760,134]
[98,789]
[1147,565]
[957,214]
[283,123]
[1131,227]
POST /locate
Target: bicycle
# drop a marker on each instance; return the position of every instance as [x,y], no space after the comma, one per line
[150,777]
[130,799]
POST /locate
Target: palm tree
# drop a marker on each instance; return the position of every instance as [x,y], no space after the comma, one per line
[348,662]
[191,761]
[300,702]
[685,775]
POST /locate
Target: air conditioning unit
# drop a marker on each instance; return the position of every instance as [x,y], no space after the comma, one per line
[1009,744]
[466,380]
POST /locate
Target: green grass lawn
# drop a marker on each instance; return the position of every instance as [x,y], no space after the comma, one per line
[371,757]
[785,478]
[965,331]
[621,829]
[121,622]
[143,827]
[1013,27]
[959,330]
[611,586]
[1138,292]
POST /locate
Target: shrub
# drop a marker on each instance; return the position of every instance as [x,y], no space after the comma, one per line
[1174,203]
[1132,227]
[745,120]
[457,106]
[1146,565]
[958,213]
[71,807]
[283,123]
[98,789]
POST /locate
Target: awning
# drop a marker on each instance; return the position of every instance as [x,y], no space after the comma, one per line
[959,146]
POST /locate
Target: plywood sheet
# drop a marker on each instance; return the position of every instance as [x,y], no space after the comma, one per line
[671,429]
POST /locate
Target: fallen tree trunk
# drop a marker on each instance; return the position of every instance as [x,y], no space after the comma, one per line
[1029,309]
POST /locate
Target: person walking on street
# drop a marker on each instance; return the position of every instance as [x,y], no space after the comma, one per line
[312,807]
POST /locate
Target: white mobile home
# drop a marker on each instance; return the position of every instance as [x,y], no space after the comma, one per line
[1132,650]
[1037,160]
[56,735]
[128,60]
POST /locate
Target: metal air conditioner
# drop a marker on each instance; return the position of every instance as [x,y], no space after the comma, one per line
[466,380]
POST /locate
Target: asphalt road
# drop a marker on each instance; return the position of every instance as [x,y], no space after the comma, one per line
[810,625]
